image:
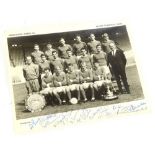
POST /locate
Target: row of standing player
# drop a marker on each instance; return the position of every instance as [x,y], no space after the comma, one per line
[76,48]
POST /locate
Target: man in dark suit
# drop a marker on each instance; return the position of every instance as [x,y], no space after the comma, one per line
[117,60]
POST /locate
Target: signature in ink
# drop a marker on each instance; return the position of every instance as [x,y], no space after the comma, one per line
[83,114]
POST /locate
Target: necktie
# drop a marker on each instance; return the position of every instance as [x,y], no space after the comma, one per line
[113,53]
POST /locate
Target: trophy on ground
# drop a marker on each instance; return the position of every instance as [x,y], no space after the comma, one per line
[110,93]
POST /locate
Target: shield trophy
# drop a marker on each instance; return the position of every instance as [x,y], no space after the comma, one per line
[35,102]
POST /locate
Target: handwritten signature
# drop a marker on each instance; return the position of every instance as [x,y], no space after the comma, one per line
[83,114]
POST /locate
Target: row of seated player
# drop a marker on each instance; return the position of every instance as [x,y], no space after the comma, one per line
[61,85]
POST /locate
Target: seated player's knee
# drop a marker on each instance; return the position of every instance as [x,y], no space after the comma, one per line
[64,89]
[51,91]
[67,88]
[72,88]
[85,85]
[77,87]
[91,85]
[59,89]
[41,92]
[44,92]
[100,84]
[54,91]
[81,87]
[95,86]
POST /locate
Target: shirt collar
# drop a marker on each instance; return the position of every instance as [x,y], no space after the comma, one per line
[113,52]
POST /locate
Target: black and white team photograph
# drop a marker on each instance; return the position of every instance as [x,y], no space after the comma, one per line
[65,71]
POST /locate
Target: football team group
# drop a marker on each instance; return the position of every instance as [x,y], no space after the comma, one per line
[72,71]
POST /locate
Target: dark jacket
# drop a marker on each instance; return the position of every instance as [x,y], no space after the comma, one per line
[118,61]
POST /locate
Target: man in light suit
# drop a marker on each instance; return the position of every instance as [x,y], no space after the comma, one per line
[117,60]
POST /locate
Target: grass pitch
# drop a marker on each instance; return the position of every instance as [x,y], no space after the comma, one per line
[20,95]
